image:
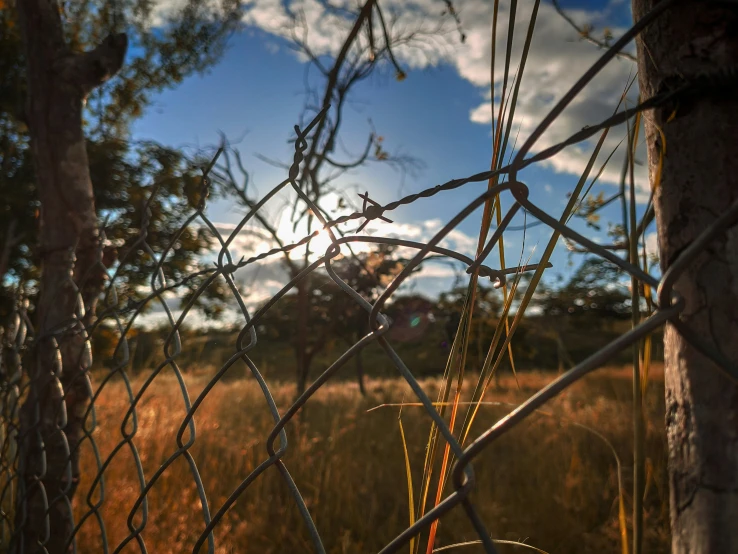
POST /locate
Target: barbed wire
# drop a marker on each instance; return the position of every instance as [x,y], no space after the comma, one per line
[38,476]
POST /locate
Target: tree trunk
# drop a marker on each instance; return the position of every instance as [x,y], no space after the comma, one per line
[52,416]
[699,181]
[360,370]
[301,354]
[562,354]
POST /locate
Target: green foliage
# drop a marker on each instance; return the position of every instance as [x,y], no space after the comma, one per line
[167,47]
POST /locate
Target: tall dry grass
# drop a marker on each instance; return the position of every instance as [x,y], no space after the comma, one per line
[550,483]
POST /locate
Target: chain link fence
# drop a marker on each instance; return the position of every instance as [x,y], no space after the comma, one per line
[39,466]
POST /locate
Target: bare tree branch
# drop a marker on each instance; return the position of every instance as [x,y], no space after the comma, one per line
[585,33]
[229,182]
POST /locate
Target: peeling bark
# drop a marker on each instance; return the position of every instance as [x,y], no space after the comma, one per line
[52,415]
[699,181]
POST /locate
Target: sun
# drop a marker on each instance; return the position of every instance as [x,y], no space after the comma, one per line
[320,244]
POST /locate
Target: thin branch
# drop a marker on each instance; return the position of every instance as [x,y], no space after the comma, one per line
[584,33]
[356,163]
[240,192]
[270,161]
[400,74]
[333,81]
[93,68]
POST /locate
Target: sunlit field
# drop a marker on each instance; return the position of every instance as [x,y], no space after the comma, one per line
[550,483]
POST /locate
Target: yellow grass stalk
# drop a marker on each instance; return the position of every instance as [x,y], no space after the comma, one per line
[647,292]
[488,365]
[409,475]
[458,352]
[499,152]
[497,155]
[496,541]
[638,423]
[443,474]
[490,368]
[465,325]
[622,520]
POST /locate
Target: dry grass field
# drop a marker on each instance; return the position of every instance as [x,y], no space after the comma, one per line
[549,483]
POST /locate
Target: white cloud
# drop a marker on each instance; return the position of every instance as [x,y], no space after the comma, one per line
[556,60]
[433,225]
[460,241]
[261,280]
[652,244]
[436,271]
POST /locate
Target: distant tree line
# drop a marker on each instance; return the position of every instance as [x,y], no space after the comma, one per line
[564,324]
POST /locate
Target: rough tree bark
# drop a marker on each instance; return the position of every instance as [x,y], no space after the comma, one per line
[58,81]
[699,181]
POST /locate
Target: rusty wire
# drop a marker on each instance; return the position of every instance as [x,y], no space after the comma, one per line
[15,384]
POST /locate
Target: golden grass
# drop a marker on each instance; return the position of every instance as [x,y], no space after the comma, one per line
[548,482]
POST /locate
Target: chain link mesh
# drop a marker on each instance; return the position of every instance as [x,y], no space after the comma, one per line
[45,436]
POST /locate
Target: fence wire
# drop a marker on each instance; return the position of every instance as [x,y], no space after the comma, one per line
[37,462]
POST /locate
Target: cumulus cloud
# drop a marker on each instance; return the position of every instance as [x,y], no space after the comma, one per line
[556,60]
[652,244]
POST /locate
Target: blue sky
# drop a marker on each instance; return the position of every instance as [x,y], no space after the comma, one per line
[439,114]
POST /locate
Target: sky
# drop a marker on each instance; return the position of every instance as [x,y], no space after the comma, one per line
[440,114]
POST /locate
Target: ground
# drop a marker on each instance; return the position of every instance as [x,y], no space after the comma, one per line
[550,483]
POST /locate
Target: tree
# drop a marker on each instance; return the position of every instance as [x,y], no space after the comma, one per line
[487,308]
[592,295]
[590,302]
[693,42]
[331,312]
[67,164]
[123,172]
[368,274]
[411,316]
[369,46]
[698,183]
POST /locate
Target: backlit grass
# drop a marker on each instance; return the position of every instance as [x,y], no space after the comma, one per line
[549,483]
